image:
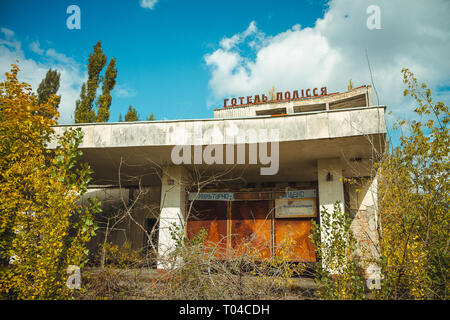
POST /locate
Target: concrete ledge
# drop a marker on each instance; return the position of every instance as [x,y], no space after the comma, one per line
[293,127]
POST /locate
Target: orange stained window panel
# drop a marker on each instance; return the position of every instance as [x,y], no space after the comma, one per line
[251,227]
[292,239]
[211,216]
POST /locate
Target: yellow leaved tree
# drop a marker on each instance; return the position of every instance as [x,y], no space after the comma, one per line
[43,229]
[414,203]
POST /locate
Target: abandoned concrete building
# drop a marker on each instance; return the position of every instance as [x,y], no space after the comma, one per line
[322,150]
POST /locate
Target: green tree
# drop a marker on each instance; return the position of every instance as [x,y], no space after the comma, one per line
[43,228]
[104,101]
[131,115]
[49,86]
[120,117]
[84,111]
[151,117]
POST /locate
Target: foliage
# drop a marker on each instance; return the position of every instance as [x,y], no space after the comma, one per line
[43,229]
[118,278]
[190,257]
[104,101]
[48,87]
[120,256]
[279,268]
[84,111]
[131,114]
[414,203]
[337,274]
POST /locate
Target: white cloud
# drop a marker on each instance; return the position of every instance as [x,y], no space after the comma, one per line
[123,91]
[59,57]
[148,4]
[36,48]
[32,72]
[8,40]
[7,32]
[332,52]
[232,42]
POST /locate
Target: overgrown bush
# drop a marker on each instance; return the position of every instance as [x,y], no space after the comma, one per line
[337,273]
[43,228]
[118,278]
[204,271]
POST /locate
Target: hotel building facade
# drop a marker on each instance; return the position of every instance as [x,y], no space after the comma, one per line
[255,173]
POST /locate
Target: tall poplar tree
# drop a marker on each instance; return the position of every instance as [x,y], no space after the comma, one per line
[48,87]
[104,101]
[84,111]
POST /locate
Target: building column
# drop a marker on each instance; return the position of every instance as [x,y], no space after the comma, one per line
[331,189]
[331,186]
[173,200]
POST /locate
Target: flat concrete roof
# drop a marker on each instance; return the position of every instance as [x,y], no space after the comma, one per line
[143,147]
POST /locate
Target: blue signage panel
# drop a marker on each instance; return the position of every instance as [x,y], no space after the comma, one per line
[211,196]
[229,196]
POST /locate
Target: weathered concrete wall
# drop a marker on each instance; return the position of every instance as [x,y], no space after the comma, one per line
[362,199]
[363,202]
[124,226]
[111,202]
[295,127]
[145,204]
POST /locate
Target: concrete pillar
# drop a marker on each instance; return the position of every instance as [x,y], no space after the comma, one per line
[173,200]
[331,189]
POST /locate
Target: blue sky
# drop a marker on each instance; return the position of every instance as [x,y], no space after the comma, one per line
[179,59]
[159,52]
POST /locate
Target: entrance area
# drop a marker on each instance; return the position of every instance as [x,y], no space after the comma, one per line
[265,223]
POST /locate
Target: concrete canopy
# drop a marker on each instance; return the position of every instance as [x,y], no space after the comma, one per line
[140,149]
